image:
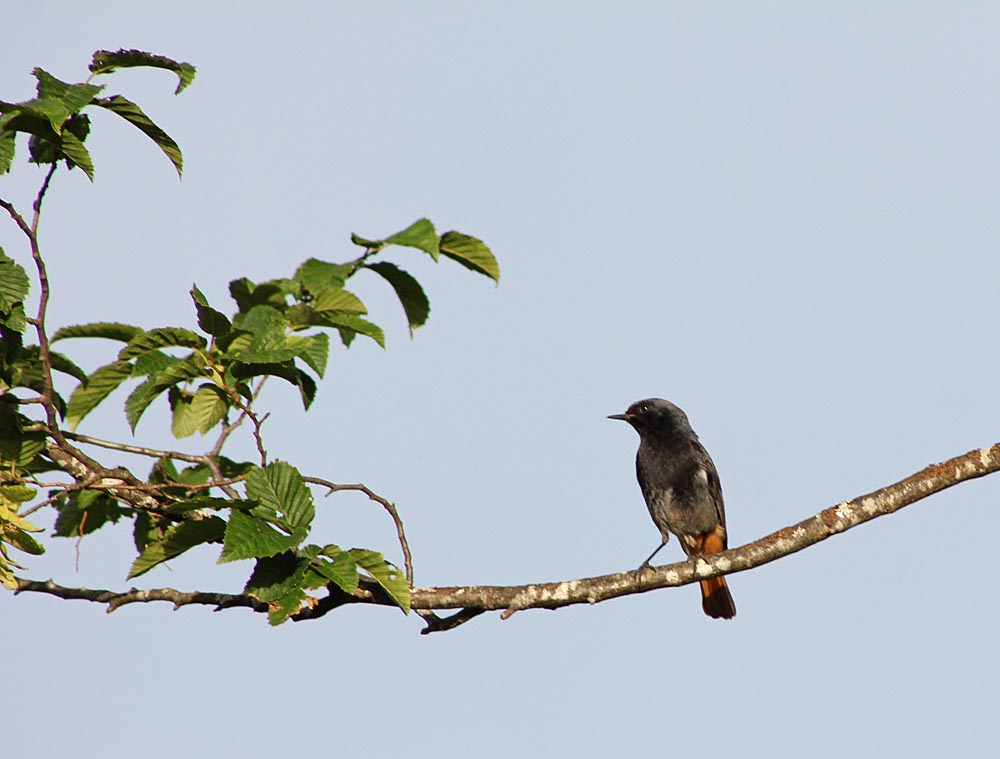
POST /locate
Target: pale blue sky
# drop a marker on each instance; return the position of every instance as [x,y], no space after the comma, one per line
[783,219]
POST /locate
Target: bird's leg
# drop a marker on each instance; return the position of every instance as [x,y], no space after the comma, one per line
[646,564]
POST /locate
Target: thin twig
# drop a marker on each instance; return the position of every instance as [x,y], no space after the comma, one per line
[115,600]
[442,624]
[387,505]
[137,449]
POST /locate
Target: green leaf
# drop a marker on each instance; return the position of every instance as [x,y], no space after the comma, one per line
[183,370]
[280,489]
[162,337]
[420,235]
[313,349]
[338,299]
[14,282]
[408,290]
[314,275]
[134,115]
[176,540]
[279,611]
[247,294]
[342,570]
[49,148]
[199,412]
[95,389]
[151,363]
[267,345]
[85,511]
[276,576]
[105,61]
[17,447]
[471,253]
[62,364]
[53,111]
[211,321]
[21,540]
[109,330]
[16,320]
[386,575]
[72,96]
[286,371]
[302,316]
[248,537]
[7,149]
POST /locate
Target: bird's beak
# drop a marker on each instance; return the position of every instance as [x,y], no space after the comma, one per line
[623,417]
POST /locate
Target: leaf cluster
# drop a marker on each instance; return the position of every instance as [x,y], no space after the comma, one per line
[211,377]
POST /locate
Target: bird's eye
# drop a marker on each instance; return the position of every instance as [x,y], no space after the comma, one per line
[643,408]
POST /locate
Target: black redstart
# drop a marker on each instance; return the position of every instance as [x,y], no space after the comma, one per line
[682,490]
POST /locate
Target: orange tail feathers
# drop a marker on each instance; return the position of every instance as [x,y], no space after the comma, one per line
[716,601]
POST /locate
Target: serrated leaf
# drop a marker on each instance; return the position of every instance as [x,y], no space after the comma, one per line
[105,61]
[286,371]
[301,316]
[16,319]
[279,611]
[211,321]
[280,488]
[162,337]
[62,364]
[153,362]
[21,540]
[471,253]
[53,111]
[109,330]
[408,290]
[7,150]
[199,412]
[14,283]
[85,511]
[385,574]
[342,571]
[97,387]
[72,96]
[46,146]
[313,349]
[338,299]
[276,576]
[183,370]
[176,540]
[18,494]
[248,537]
[247,294]
[354,324]
[314,275]
[420,234]
[135,116]
[17,447]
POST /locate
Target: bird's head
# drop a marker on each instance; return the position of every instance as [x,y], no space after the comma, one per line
[655,416]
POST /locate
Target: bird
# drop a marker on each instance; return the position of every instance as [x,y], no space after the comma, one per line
[682,490]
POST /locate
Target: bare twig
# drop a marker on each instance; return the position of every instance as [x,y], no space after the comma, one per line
[442,624]
[387,505]
[474,600]
[114,600]
[137,449]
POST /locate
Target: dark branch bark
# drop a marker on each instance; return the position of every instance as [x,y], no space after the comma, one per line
[475,600]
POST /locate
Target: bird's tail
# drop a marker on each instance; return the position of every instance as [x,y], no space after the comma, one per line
[716,600]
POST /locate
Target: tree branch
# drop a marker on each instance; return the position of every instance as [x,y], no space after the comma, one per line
[475,600]
[388,506]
